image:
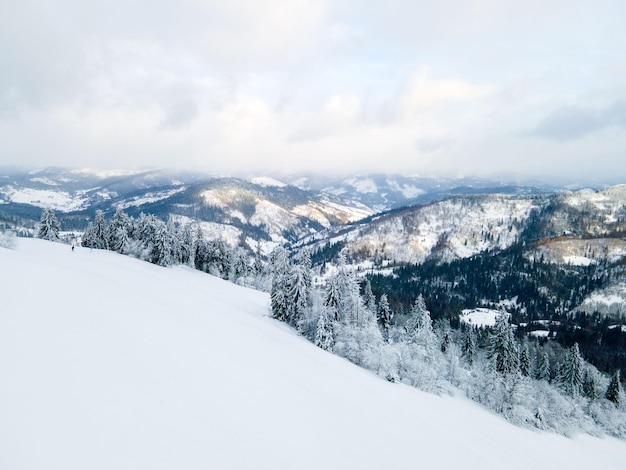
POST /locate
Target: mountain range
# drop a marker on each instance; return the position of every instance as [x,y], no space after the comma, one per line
[257,211]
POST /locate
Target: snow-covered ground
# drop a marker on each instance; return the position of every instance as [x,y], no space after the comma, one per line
[479,316]
[107,362]
[609,301]
[57,200]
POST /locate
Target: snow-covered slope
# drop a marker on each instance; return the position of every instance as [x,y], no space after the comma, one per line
[454,228]
[107,362]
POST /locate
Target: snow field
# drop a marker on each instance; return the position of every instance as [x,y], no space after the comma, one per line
[109,362]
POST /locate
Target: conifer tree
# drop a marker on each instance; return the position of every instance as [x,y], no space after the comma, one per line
[161,244]
[324,332]
[299,295]
[332,298]
[542,370]
[589,386]
[445,339]
[613,392]
[278,298]
[280,268]
[524,361]
[572,373]
[187,245]
[468,349]
[503,348]
[384,316]
[420,326]
[96,234]
[119,232]
[369,301]
[48,225]
[240,268]
[200,251]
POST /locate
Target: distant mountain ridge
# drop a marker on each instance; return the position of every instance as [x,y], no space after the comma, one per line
[247,211]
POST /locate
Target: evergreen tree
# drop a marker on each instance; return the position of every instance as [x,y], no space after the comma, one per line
[468,349]
[446,339]
[613,392]
[240,268]
[589,386]
[200,251]
[324,332]
[48,225]
[369,301]
[384,316]
[332,298]
[542,370]
[420,326]
[161,243]
[572,373]
[503,348]
[187,245]
[280,268]
[96,234]
[524,361]
[278,298]
[173,239]
[119,232]
[299,295]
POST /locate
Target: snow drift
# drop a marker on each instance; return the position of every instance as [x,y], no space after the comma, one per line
[110,362]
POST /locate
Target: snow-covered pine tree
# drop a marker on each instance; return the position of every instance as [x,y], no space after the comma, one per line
[173,237]
[219,258]
[299,295]
[200,251]
[589,386]
[332,298]
[278,298]
[468,348]
[161,244]
[503,349]
[96,234]
[280,269]
[187,245]
[369,301]
[119,232]
[384,316]
[572,375]
[240,268]
[613,392]
[351,309]
[524,361]
[48,225]
[324,332]
[419,328]
[542,369]
[446,336]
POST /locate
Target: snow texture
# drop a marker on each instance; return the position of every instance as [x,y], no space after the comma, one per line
[479,316]
[107,362]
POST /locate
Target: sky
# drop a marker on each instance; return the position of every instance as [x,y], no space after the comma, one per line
[492,88]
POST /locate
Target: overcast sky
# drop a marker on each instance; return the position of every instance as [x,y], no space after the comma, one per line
[524,88]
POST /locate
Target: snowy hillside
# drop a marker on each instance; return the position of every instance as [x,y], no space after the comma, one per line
[109,362]
[449,229]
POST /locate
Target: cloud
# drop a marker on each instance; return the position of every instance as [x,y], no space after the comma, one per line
[179,114]
[231,85]
[574,122]
[433,144]
[424,93]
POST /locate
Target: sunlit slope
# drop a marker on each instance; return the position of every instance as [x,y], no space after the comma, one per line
[107,362]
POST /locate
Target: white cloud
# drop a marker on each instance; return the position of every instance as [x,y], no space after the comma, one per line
[426,87]
[423,93]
